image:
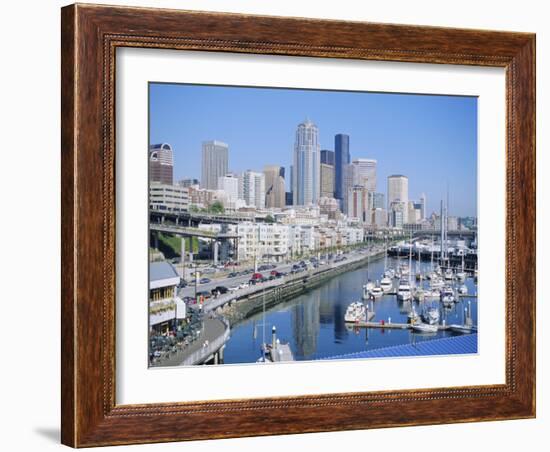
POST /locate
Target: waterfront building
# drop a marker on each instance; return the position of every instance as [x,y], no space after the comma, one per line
[274,186]
[397,214]
[364,173]
[215,161]
[161,164]
[328,157]
[327,180]
[342,160]
[329,206]
[262,241]
[414,214]
[398,191]
[165,307]
[167,197]
[252,188]
[423,206]
[358,203]
[306,168]
[452,223]
[188,182]
[380,217]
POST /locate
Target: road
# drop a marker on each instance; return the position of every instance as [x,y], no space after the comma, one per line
[189,291]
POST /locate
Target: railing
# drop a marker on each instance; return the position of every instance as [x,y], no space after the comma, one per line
[213,346]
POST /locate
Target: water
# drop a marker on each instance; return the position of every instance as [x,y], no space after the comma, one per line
[313,323]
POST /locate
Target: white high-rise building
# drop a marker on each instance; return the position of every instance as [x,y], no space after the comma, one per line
[306,186]
[423,205]
[230,185]
[215,161]
[252,189]
[398,192]
[364,173]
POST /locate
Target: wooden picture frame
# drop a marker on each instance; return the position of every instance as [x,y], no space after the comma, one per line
[90,35]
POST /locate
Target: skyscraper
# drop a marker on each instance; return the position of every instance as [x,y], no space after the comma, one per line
[358,204]
[215,158]
[398,192]
[252,188]
[342,159]
[423,205]
[364,173]
[327,157]
[161,164]
[274,186]
[327,180]
[306,168]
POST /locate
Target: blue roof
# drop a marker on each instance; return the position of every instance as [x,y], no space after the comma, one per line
[161,270]
[453,345]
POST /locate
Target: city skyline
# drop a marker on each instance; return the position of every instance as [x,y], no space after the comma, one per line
[433,128]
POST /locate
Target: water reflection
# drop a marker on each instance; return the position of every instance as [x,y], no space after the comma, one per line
[314,326]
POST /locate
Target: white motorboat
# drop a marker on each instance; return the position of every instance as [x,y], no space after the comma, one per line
[431,294]
[463,329]
[463,289]
[424,328]
[431,316]
[449,276]
[389,273]
[404,291]
[356,312]
[376,292]
[386,284]
[419,294]
[447,295]
[461,274]
[436,283]
[366,290]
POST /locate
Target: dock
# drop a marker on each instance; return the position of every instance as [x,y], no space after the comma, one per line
[391,326]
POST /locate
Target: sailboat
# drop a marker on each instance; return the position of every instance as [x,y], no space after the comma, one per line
[461,275]
[386,282]
[467,326]
[404,289]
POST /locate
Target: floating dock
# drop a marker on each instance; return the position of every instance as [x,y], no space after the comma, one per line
[391,326]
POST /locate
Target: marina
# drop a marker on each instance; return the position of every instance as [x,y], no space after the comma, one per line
[314,324]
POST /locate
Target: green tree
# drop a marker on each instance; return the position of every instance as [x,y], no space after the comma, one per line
[269,219]
[216,207]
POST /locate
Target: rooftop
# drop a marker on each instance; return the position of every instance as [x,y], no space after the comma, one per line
[161,270]
[453,345]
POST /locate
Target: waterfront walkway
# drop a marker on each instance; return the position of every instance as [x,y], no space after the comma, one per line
[213,335]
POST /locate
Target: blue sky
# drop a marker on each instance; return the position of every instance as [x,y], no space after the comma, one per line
[430,139]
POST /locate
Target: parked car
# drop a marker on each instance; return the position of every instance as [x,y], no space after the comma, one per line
[232,275]
[244,285]
[220,289]
[204,281]
[234,288]
[257,276]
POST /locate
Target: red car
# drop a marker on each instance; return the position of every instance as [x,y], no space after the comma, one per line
[257,276]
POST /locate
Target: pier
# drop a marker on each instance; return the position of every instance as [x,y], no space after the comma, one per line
[392,326]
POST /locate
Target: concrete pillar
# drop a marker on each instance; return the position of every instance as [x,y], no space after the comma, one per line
[215,245]
[216,358]
[182,252]
[220,353]
[156,241]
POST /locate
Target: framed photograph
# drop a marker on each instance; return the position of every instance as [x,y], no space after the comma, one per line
[281,225]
